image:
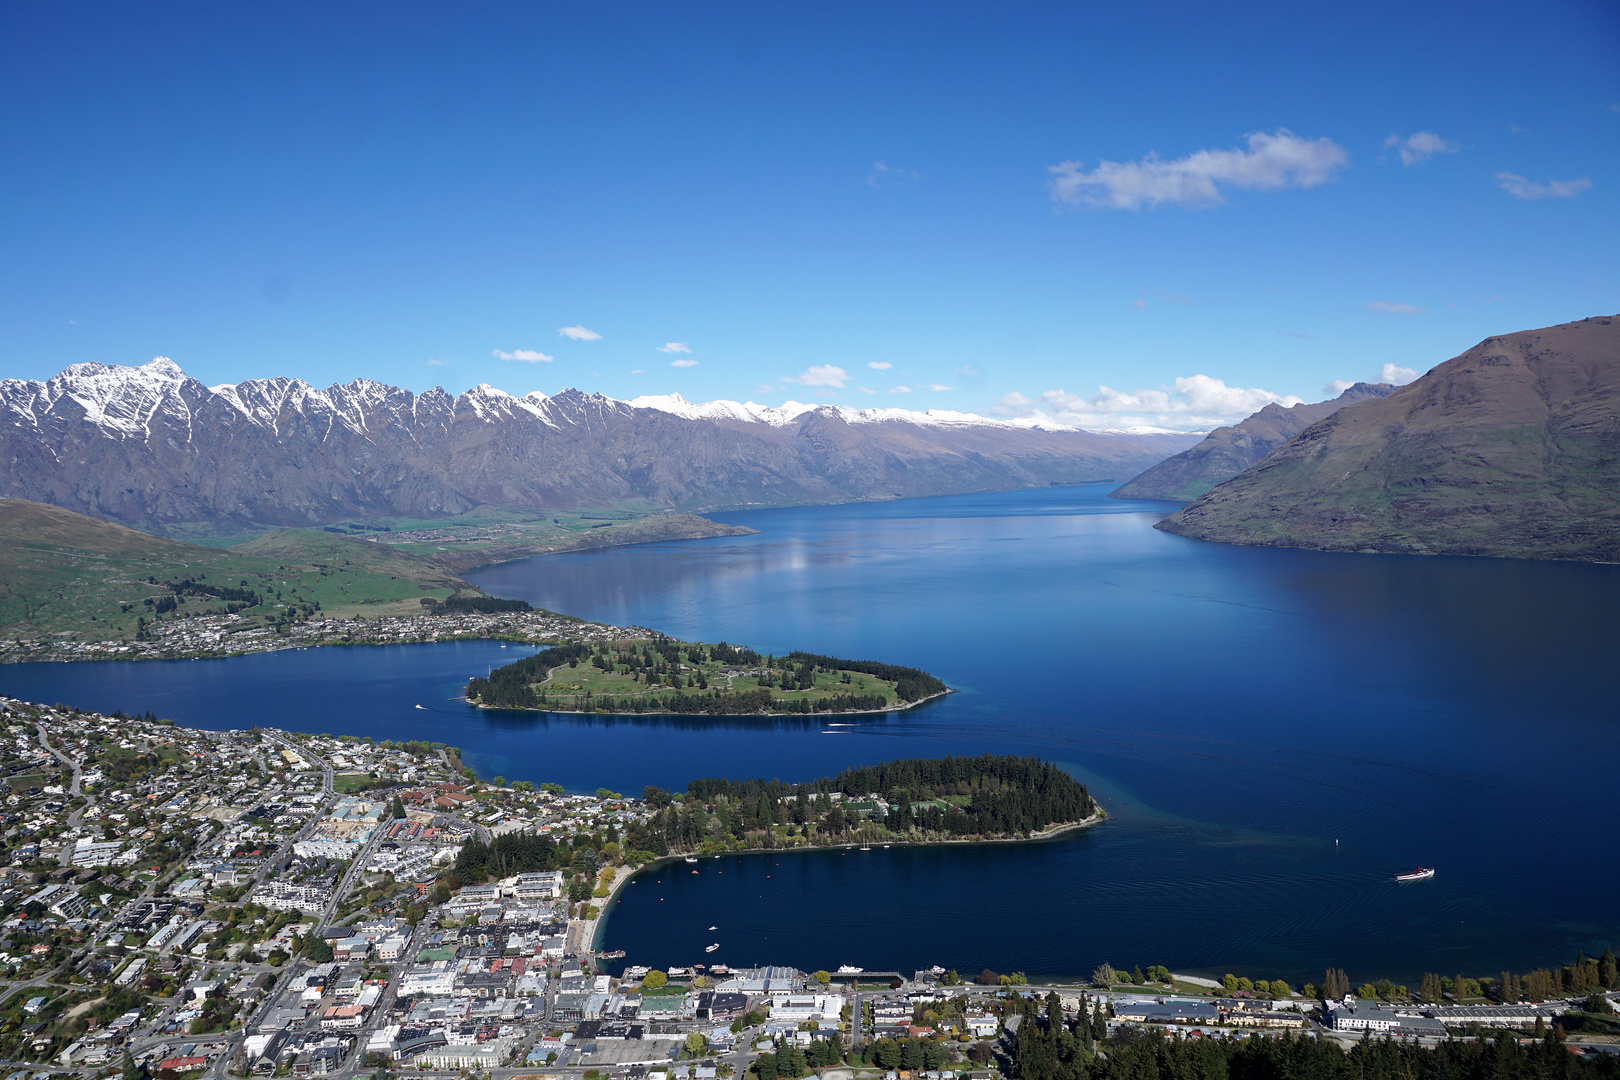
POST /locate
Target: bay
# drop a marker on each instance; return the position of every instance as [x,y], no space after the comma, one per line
[1272,732]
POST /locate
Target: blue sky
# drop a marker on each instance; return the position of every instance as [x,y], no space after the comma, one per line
[800,192]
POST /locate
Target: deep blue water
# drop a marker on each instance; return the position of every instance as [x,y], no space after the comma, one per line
[1236,710]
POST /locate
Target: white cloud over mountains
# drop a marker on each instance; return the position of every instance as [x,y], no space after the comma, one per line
[820,375]
[1393,374]
[1271,162]
[528,356]
[1191,402]
[1530,191]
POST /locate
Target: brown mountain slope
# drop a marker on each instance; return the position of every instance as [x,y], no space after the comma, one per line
[1511,449]
[1227,451]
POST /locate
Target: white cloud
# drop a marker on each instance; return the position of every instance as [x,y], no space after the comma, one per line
[882,174]
[1530,191]
[673,347]
[968,370]
[1139,304]
[528,356]
[1384,307]
[434,361]
[820,375]
[683,363]
[938,389]
[899,389]
[879,365]
[1193,401]
[1280,160]
[579,333]
[1420,146]
[1393,374]
[866,389]
[638,371]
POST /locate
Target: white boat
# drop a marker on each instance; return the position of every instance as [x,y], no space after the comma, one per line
[845,969]
[713,947]
[691,858]
[714,928]
[424,708]
[1420,874]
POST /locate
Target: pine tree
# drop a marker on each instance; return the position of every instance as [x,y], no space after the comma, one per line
[1429,988]
[1606,969]
[1457,982]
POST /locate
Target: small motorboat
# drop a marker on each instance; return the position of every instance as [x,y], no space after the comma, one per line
[713,947]
[424,708]
[691,858]
[714,928]
[1422,873]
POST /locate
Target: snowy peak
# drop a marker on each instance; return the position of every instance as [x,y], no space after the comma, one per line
[149,446]
[122,401]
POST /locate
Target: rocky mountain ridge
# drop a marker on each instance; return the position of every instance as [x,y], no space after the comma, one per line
[152,447]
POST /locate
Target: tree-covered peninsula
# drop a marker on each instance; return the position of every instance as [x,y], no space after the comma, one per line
[913,800]
[662,675]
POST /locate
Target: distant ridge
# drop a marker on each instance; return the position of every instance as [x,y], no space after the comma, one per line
[1511,449]
[151,447]
[1227,451]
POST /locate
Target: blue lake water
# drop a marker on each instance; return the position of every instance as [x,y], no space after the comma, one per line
[1272,732]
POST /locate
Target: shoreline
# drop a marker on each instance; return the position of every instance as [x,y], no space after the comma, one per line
[1050,833]
[652,529]
[655,712]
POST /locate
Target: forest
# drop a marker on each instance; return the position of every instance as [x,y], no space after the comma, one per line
[1050,1046]
[661,675]
[911,800]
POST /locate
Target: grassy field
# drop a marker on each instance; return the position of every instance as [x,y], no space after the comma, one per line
[66,575]
[488,534]
[459,544]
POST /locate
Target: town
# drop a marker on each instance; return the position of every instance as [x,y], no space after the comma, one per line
[187,903]
[234,634]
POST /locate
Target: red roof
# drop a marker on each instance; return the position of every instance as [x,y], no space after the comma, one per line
[179,1064]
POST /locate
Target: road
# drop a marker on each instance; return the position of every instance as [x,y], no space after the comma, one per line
[66,858]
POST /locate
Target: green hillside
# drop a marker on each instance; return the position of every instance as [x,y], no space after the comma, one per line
[66,575]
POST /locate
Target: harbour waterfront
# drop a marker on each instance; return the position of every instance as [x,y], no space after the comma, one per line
[1273,733]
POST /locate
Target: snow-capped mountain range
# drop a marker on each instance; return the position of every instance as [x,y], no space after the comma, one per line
[151,446]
